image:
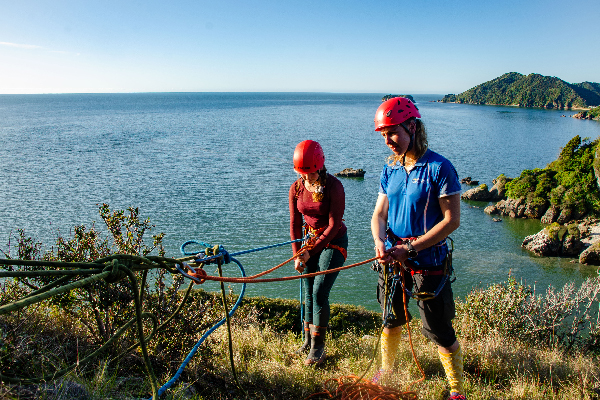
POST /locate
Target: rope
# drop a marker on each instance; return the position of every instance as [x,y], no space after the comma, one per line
[353,388]
[251,279]
[116,267]
[111,269]
[207,334]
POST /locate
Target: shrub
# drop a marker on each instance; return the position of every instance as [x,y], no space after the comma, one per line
[568,318]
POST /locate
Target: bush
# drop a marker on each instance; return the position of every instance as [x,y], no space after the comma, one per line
[568,318]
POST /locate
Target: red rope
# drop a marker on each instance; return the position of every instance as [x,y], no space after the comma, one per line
[354,388]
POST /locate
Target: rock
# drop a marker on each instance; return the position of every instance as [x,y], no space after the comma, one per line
[351,173]
[469,181]
[551,215]
[514,208]
[491,210]
[498,191]
[536,210]
[480,193]
[541,244]
[572,246]
[557,240]
[565,216]
[591,255]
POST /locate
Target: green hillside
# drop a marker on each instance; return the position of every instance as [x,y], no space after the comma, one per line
[533,90]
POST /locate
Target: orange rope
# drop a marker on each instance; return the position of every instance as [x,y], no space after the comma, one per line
[404,297]
[354,388]
[201,274]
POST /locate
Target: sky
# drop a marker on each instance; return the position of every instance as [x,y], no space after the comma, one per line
[362,46]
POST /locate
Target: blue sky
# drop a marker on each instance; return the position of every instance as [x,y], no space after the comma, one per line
[72,46]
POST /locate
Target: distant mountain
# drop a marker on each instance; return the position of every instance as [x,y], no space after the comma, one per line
[533,90]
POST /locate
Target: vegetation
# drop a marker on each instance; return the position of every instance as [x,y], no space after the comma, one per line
[533,90]
[391,96]
[568,182]
[593,113]
[517,344]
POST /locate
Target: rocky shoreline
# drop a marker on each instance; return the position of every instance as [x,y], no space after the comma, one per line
[566,234]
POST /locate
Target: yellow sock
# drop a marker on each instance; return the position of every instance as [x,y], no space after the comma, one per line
[453,365]
[389,346]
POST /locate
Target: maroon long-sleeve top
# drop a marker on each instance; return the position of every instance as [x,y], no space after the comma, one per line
[327,213]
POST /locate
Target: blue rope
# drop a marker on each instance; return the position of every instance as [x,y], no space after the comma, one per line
[301,310]
[227,258]
[187,253]
[211,330]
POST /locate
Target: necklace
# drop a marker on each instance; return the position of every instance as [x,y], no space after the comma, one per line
[313,187]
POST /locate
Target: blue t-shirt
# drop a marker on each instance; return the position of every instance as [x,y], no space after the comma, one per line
[413,199]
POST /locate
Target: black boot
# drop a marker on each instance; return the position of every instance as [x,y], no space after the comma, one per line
[317,345]
[306,345]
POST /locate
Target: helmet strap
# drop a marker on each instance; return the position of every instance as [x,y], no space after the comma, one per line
[411,143]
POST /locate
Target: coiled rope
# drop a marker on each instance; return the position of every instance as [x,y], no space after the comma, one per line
[119,266]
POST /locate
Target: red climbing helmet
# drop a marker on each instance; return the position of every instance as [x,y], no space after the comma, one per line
[395,111]
[308,157]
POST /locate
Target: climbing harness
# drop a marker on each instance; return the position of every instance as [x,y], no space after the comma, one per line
[394,275]
[311,234]
[397,270]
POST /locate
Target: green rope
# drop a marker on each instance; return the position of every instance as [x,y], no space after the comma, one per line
[57,264]
[112,269]
[57,282]
[17,305]
[235,377]
[161,326]
[17,274]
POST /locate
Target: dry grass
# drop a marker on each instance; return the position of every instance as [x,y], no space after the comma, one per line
[497,367]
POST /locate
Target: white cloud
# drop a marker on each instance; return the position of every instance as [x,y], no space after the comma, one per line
[21,46]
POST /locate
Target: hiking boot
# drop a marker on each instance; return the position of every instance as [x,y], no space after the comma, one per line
[306,345]
[317,345]
[456,396]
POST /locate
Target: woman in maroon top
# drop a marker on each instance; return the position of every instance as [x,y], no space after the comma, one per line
[317,202]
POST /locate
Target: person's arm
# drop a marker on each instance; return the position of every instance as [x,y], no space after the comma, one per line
[450,206]
[379,226]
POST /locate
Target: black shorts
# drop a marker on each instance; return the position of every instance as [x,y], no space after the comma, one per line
[436,314]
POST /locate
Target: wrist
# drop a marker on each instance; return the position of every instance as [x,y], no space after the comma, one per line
[411,251]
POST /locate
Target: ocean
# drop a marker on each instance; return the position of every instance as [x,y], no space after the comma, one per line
[216,168]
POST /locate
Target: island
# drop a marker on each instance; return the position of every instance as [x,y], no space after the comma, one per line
[533,90]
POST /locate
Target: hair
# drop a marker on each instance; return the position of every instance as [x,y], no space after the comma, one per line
[317,196]
[420,143]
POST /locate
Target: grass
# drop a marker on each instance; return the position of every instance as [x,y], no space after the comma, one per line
[499,364]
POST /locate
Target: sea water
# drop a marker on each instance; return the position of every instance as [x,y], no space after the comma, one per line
[216,168]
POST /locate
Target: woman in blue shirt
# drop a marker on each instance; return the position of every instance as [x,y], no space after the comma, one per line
[417,208]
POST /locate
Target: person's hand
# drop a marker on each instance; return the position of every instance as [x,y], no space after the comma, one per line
[398,253]
[303,256]
[381,253]
[299,265]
